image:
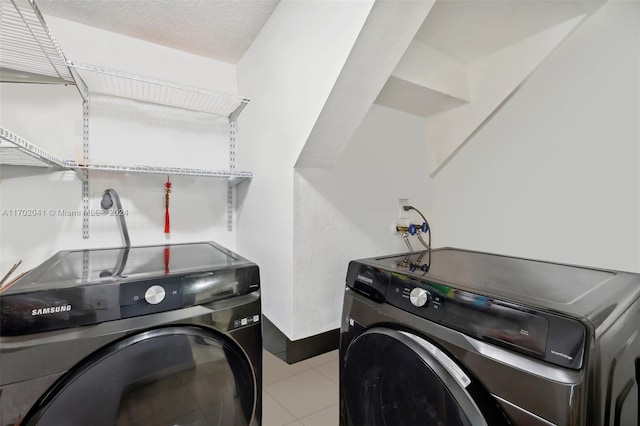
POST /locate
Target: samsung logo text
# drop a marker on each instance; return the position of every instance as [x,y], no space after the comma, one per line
[51,310]
[365,279]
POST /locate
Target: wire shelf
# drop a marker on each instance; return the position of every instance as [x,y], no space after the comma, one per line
[233,175]
[17,151]
[124,85]
[28,47]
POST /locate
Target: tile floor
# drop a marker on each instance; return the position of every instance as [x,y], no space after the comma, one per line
[300,394]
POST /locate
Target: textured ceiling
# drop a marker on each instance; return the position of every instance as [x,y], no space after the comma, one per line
[218,29]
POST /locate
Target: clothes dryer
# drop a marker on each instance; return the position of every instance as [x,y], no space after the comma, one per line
[472,338]
[149,335]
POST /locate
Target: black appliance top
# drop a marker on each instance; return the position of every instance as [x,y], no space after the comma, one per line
[545,310]
[570,289]
[82,287]
[71,268]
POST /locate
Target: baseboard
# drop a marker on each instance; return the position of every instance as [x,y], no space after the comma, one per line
[292,351]
[273,339]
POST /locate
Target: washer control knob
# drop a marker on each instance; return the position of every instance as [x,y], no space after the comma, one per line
[419,297]
[154,294]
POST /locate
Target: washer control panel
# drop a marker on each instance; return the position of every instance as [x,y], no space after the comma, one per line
[538,334]
[472,310]
[147,297]
[419,297]
[154,294]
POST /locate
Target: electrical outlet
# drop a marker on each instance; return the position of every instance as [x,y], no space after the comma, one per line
[403,214]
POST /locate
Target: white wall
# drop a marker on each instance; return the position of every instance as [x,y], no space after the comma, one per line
[348,212]
[121,132]
[555,173]
[55,109]
[288,72]
[492,79]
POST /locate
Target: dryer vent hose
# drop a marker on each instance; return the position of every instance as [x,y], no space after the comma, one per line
[108,199]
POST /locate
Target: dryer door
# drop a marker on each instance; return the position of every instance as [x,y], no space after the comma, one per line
[167,376]
[396,378]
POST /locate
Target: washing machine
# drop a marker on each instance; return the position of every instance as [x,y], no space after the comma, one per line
[154,335]
[458,337]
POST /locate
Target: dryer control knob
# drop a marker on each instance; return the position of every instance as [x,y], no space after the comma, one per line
[419,297]
[154,294]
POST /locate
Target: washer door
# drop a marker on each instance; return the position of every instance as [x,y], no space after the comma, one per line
[167,376]
[395,378]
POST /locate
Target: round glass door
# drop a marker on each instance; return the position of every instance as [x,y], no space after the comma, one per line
[166,376]
[393,378]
